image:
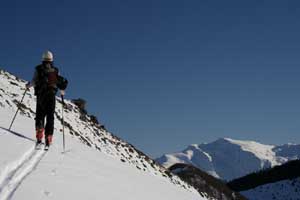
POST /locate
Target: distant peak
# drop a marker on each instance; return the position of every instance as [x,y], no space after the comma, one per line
[222,140]
[234,141]
[194,145]
[226,139]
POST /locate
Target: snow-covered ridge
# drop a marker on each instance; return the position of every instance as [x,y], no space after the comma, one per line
[228,158]
[261,151]
[79,128]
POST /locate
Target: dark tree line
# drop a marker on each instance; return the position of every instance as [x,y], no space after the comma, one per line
[203,182]
[81,104]
[289,170]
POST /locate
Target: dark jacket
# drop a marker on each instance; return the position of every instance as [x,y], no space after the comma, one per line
[45,78]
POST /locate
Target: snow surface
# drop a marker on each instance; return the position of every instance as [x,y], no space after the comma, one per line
[95,165]
[228,159]
[282,190]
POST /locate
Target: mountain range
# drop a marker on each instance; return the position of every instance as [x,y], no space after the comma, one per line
[228,159]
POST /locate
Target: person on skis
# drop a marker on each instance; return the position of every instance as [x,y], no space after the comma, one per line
[46,82]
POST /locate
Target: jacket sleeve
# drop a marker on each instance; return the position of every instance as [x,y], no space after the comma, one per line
[34,78]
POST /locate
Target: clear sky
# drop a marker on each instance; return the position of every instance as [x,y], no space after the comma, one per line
[163,74]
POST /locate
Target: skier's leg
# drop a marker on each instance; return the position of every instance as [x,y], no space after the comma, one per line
[50,119]
[39,119]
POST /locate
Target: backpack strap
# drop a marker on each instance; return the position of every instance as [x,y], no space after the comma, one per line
[56,69]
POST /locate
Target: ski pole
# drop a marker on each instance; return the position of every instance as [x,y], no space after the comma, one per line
[63,123]
[17,110]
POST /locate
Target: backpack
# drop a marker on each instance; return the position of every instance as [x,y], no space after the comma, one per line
[48,79]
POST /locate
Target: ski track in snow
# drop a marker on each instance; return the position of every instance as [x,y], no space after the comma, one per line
[15,173]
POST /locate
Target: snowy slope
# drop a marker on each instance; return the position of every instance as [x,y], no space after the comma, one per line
[287,189]
[228,159]
[96,164]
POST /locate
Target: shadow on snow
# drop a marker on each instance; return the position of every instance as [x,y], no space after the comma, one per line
[18,134]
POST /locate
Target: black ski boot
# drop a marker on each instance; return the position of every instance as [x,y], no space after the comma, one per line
[46,148]
[48,142]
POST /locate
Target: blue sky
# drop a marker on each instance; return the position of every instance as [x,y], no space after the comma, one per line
[165,74]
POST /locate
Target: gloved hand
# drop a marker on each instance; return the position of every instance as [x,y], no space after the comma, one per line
[28,85]
[62,93]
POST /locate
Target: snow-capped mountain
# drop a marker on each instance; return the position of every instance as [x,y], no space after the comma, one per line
[95,165]
[228,159]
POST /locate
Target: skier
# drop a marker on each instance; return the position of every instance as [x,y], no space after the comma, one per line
[46,81]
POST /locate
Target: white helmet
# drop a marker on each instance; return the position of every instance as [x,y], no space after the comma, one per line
[48,56]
